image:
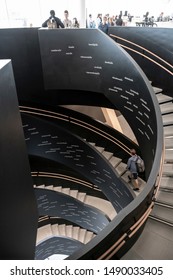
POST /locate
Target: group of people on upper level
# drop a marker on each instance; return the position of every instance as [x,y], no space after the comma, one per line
[110,21]
[101,22]
[55,22]
[106,21]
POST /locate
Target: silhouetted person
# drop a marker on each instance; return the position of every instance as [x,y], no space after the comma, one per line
[55,21]
[119,21]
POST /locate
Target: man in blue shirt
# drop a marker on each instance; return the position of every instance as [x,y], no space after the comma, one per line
[104,25]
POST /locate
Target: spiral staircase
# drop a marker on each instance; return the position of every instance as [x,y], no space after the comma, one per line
[87,208]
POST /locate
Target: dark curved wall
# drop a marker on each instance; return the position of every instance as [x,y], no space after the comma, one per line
[21,45]
[80,59]
[18,209]
[154,42]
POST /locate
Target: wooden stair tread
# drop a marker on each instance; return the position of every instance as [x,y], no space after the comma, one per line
[43,233]
[166,108]
[162,98]
[49,187]
[103,205]
[168,131]
[163,212]
[88,236]
[82,233]
[81,196]
[69,231]
[75,233]
[121,168]
[107,154]
[168,155]
[166,182]
[100,149]
[168,143]
[115,161]
[62,229]
[73,193]
[157,90]
[40,187]
[165,197]
[167,119]
[168,169]
[66,191]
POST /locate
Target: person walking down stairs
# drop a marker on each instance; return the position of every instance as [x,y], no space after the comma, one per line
[132,167]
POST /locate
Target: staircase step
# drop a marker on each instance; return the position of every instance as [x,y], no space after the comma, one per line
[75,233]
[100,149]
[162,98]
[88,236]
[66,191]
[121,168]
[103,205]
[162,221]
[62,229]
[168,131]
[73,193]
[165,197]
[115,161]
[166,108]
[81,196]
[55,230]
[169,155]
[107,155]
[169,143]
[49,187]
[44,232]
[157,90]
[166,183]
[92,143]
[82,233]
[167,119]
[142,183]
[168,169]
[40,187]
[57,189]
[163,212]
[69,230]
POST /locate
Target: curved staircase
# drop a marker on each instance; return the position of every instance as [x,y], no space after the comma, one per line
[67,231]
[156,241]
[103,205]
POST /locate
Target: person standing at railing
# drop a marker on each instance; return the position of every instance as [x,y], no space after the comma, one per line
[53,21]
[119,21]
[104,25]
[67,22]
